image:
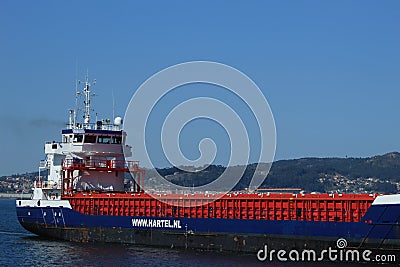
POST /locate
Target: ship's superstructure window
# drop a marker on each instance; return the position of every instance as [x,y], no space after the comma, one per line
[67,138]
[78,138]
[116,140]
[104,139]
[90,139]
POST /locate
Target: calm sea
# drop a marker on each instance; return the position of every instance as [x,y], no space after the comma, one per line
[20,248]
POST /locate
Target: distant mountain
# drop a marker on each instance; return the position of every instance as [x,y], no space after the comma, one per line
[378,174]
[374,174]
[364,175]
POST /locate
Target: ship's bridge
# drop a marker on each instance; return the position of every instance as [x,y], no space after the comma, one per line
[89,136]
[89,140]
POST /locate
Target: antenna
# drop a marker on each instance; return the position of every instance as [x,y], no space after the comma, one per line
[113,105]
[86,91]
[76,92]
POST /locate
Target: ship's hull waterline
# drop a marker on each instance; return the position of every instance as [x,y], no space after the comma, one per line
[205,234]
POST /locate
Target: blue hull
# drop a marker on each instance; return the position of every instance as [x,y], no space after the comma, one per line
[379,228]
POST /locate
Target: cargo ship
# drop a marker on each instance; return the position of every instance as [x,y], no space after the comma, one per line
[86,197]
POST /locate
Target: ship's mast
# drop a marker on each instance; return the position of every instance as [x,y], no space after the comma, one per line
[86,91]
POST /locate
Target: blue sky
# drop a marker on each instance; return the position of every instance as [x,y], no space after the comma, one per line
[329,69]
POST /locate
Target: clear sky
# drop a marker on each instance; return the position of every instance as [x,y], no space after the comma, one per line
[329,69]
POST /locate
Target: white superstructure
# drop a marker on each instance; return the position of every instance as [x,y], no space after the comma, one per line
[90,156]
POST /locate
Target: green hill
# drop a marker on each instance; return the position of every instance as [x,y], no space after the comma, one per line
[378,174]
[375,174]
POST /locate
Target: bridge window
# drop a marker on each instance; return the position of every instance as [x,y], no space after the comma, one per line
[90,139]
[104,139]
[116,140]
[78,138]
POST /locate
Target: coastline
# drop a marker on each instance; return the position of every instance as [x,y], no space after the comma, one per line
[14,196]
